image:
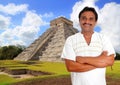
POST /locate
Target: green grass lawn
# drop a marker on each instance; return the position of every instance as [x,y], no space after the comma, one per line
[56,68]
[115,72]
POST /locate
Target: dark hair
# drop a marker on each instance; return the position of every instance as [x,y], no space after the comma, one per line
[89,9]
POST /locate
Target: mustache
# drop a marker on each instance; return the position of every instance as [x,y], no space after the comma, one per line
[87,24]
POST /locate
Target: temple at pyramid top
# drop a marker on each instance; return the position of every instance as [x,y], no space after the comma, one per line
[60,21]
[49,45]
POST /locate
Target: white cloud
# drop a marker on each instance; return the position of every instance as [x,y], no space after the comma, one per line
[110,23]
[13,9]
[47,15]
[6,36]
[30,27]
[27,32]
[24,33]
[109,19]
[4,22]
[33,19]
[17,42]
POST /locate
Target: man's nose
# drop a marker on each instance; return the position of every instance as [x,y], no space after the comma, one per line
[87,21]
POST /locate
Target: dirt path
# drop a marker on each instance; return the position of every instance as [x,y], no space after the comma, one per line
[51,81]
[61,81]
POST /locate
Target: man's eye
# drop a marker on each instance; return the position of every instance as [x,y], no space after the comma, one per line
[91,19]
[83,18]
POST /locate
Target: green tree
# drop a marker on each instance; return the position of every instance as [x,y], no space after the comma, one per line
[3,52]
[117,56]
[10,52]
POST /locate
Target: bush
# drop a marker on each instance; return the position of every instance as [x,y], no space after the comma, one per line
[117,56]
[10,52]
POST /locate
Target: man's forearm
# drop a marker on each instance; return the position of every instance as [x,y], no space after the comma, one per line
[73,66]
[99,62]
[95,61]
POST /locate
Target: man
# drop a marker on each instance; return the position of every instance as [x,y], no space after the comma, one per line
[87,53]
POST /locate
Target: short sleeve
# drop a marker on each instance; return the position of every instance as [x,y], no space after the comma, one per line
[107,45]
[68,51]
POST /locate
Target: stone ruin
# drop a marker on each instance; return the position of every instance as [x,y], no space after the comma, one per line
[49,45]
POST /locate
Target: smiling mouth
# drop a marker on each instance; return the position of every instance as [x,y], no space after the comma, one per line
[86,24]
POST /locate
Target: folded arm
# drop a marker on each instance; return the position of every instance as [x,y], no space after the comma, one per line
[73,66]
[100,61]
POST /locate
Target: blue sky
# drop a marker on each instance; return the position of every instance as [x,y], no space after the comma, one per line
[22,21]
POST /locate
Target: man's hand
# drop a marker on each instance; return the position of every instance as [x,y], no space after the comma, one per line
[103,56]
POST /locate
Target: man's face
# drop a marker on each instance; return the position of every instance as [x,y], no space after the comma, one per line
[87,21]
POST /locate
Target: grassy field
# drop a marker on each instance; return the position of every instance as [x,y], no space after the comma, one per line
[56,68]
[115,71]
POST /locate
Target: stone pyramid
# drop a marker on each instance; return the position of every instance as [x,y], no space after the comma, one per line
[49,45]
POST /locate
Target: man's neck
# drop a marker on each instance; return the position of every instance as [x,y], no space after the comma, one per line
[87,36]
